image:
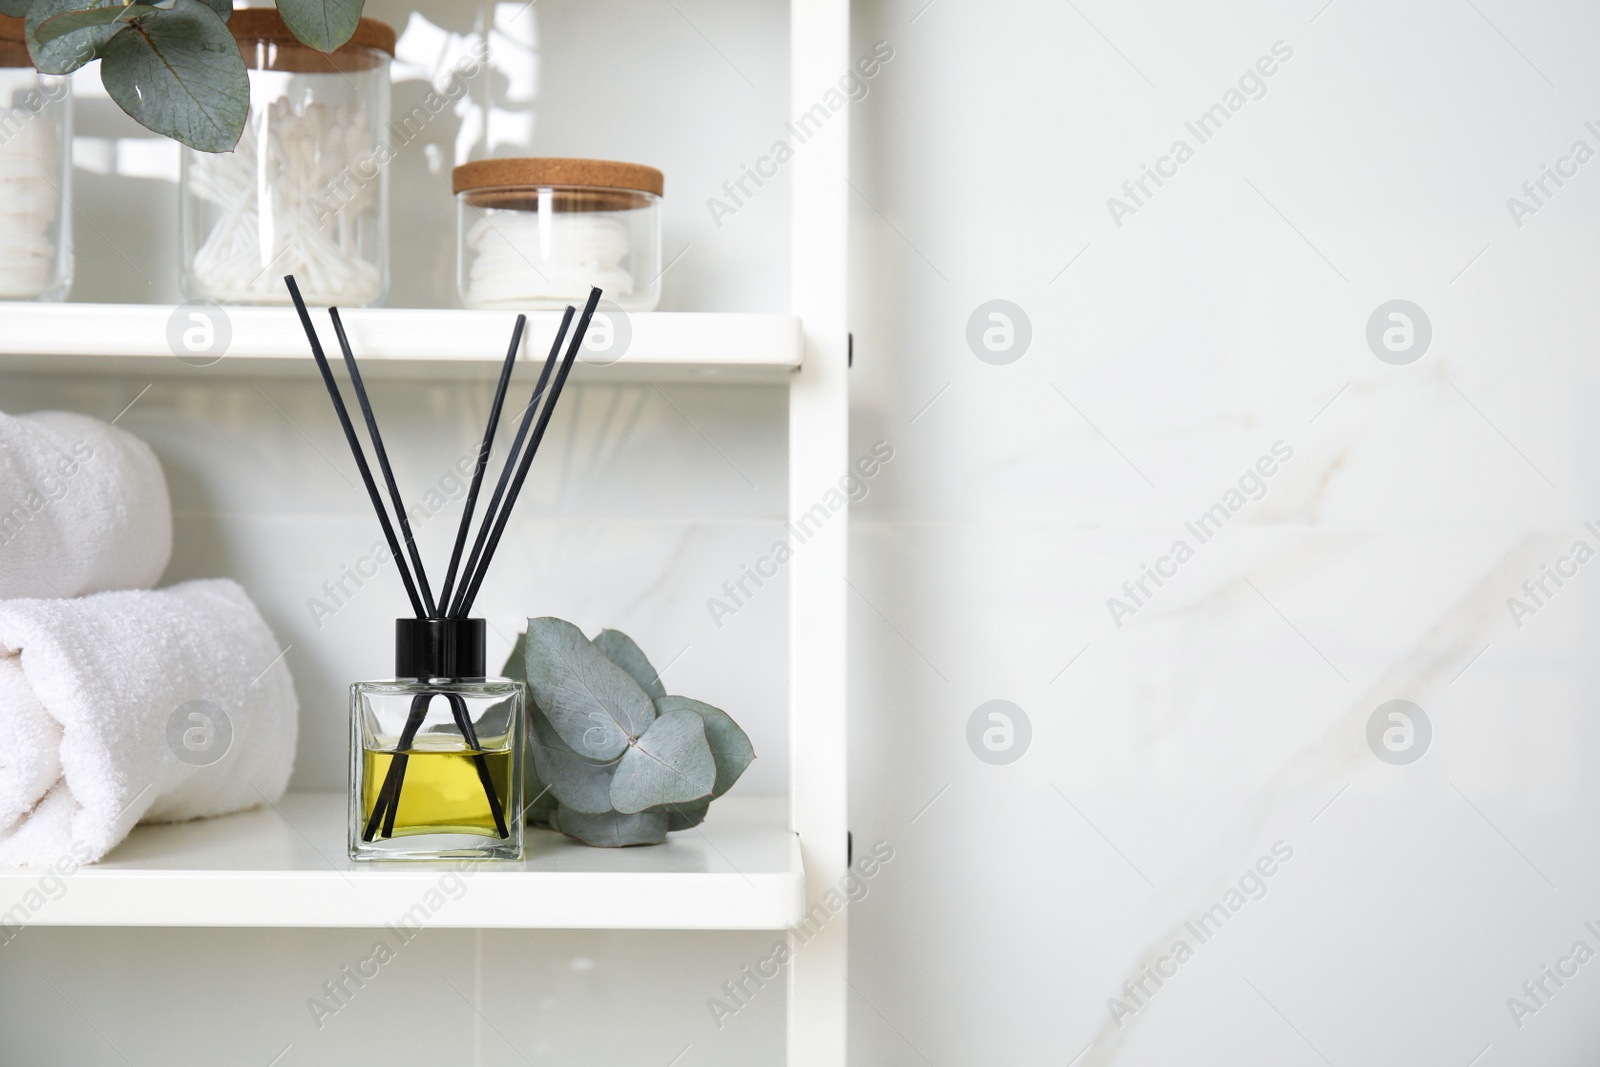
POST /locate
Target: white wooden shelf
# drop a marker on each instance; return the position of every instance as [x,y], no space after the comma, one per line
[286,866]
[133,339]
[756,864]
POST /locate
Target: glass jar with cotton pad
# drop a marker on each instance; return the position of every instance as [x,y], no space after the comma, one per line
[538,233]
[35,174]
[306,192]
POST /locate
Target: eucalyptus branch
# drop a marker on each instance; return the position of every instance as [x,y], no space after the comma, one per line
[172,65]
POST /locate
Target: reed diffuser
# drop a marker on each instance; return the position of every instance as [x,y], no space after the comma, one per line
[436,752]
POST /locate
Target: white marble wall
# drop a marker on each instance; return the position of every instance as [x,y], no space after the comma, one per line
[1229,710]
[251,997]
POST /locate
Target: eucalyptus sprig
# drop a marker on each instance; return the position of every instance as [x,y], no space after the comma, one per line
[172,65]
[616,761]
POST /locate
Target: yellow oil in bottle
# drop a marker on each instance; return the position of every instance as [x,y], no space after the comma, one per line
[441,792]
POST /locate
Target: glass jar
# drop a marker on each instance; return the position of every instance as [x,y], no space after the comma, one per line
[436,754]
[35,174]
[306,191]
[538,233]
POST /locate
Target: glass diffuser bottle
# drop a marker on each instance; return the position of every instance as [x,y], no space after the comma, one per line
[436,752]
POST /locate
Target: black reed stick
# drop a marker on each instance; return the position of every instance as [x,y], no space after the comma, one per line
[383,462]
[528,413]
[531,450]
[483,462]
[493,524]
[355,444]
[458,708]
[388,802]
[389,795]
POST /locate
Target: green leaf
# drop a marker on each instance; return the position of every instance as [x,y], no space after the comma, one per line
[180,73]
[687,816]
[223,8]
[592,703]
[322,24]
[15,8]
[564,776]
[670,764]
[580,784]
[516,664]
[730,746]
[66,54]
[611,830]
[60,25]
[621,650]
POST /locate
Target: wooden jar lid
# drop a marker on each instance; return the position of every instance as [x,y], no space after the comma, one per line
[265,24]
[592,173]
[13,43]
[246,23]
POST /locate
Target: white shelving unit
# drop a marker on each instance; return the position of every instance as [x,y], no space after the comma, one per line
[755,865]
[392,343]
[285,865]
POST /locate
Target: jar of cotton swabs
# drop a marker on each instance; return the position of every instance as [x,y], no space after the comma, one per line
[306,192]
[35,172]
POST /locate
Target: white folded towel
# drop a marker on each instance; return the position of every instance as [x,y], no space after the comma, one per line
[119,707]
[83,508]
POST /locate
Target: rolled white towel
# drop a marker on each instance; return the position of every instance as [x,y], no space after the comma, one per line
[168,705]
[83,508]
[30,744]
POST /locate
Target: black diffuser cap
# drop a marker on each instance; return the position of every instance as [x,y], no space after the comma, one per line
[439,648]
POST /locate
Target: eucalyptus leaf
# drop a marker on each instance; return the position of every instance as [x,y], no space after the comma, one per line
[322,24]
[670,764]
[592,703]
[67,53]
[615,760]
[180,73]
[730,746]
[15,8]
[57,26]
[223,8]
[621,650]
[687,816]
[580,784]
[611,830]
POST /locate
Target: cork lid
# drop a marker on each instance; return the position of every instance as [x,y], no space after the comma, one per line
[13,43]
[265,24]
[582,173]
